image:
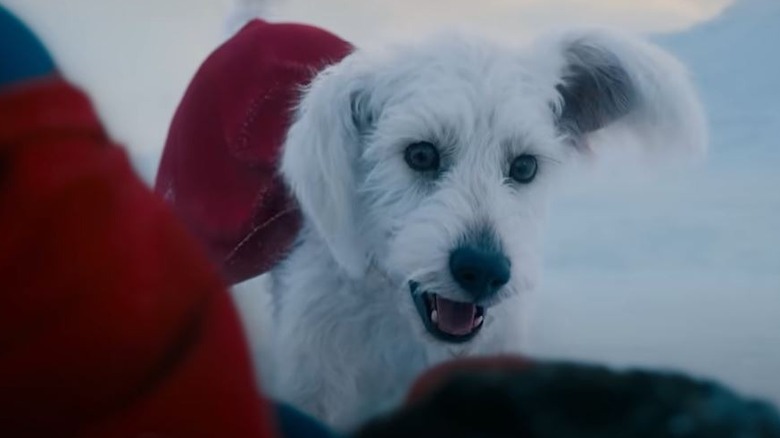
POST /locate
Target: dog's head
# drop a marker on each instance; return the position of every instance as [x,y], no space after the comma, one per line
[431,162]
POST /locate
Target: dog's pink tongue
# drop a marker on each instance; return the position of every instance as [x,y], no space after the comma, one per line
[455,318]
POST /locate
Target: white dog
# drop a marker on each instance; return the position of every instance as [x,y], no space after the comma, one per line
[422,173]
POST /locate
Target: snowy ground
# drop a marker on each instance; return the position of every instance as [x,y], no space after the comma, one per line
[684,272]
[680,272]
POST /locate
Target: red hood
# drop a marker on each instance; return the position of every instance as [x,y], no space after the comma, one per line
[218,169]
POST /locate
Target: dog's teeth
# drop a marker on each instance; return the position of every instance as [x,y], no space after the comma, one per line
[478,321]
[435,316]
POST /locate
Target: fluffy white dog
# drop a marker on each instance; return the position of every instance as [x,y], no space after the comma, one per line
[422,172]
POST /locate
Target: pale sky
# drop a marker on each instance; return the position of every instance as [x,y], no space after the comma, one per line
[365,19]
[136,57]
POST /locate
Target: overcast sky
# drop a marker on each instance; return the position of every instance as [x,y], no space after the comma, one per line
[364,19]
[136,57]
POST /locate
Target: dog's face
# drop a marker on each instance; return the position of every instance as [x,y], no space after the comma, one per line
[432,163]
[451,181]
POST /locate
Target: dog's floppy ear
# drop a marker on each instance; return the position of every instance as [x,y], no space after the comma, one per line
[605,79]
[320,158]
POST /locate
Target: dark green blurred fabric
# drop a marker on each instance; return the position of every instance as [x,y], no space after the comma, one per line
[22,55]
[295,424]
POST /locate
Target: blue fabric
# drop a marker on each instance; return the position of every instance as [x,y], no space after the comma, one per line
[22,55]
[295,424]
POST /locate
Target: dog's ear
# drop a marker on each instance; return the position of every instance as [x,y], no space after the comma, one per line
[605,80]
[320,158]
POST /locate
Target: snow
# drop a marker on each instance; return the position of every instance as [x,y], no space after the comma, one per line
[680,271]
[683,272]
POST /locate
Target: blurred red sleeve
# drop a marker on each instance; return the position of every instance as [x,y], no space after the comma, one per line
[112,321]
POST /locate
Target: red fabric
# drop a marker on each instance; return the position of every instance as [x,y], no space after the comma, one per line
[112,320]
[437,376]
[218,169]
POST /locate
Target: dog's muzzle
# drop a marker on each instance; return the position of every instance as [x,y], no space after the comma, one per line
[480,271]
[447,320]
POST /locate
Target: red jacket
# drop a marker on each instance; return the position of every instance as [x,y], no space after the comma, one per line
[112,320]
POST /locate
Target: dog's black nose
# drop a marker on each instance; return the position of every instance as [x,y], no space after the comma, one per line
[480,272]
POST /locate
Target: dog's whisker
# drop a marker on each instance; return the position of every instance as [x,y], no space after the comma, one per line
[548,158]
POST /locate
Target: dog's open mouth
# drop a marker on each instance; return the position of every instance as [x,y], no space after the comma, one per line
[447,320]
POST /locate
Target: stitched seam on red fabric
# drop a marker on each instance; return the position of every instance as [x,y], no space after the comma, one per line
[241,144]
[256,230]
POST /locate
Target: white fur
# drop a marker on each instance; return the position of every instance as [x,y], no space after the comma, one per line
[347,339]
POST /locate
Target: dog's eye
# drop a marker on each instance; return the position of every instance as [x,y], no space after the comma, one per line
[422,156]
[523,169]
